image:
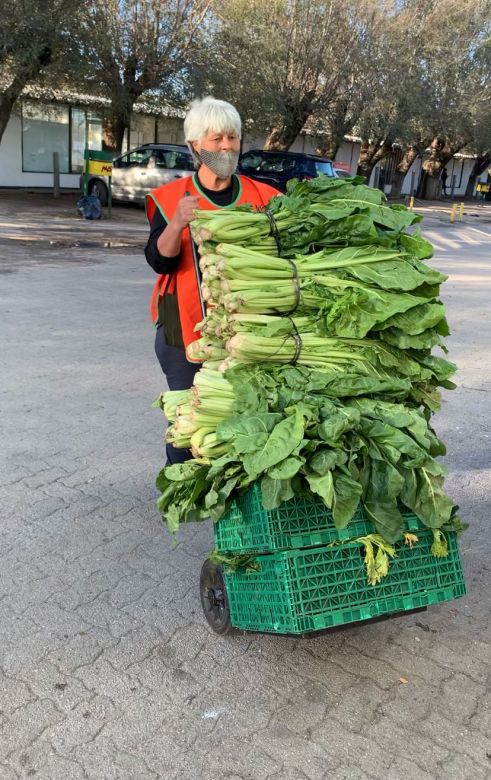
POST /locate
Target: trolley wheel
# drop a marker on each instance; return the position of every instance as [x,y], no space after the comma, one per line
[214,598]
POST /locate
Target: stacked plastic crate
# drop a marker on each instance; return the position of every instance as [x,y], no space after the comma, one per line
[302,584]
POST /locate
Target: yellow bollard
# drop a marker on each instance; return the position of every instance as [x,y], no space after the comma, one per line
[453,212]
[411,203]
[461,212]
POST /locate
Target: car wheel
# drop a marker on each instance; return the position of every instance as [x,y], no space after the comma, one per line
[99,190]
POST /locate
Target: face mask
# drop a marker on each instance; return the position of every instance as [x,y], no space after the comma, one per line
[223,164]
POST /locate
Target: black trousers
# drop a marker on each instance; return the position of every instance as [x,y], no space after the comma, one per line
[179,373]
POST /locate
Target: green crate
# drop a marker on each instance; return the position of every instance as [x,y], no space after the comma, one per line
[308,590]
[248,527]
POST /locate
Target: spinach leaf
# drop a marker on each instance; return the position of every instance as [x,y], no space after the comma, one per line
[380,500]
[275,491]
[282,441]
[347,492]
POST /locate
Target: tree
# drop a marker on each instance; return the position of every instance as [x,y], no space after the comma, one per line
[480,145]
[428,78]
[481,119]
[34,37]
[309,68]
[391,82]
[138,46]
[278,62]
[453,40]
[237,58]
[329,131]
[342,114]
[410,73]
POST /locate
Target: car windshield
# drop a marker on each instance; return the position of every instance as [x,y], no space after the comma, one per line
[138,157]
[324,167]
[251,162]
[278,163]
[172,159]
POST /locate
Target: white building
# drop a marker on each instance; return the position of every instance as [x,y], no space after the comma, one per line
[68,123]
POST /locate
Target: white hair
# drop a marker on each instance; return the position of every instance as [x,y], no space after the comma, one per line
[210,114]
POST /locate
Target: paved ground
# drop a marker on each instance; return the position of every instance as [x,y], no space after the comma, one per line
[108,670]
[38,217]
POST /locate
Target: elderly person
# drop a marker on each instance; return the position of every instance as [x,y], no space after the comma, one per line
[212,131]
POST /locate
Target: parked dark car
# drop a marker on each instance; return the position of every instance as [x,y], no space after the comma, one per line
[141,170]
[277,168]
[341,173]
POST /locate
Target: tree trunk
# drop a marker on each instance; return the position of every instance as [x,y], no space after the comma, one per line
[289,126]
[397,182]
[119,118]
[22,77]
[371,152]
[327,146]
[7,101]
[113,130]
[430,187]
[480,165]
[435,160]
[283,135]
[441,152]
[336,128]
[410,155]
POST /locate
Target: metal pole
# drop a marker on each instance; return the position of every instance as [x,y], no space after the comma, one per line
[56,174]
[376,177]
[110,197]
[86,172]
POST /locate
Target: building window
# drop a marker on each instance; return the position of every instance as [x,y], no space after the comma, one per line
[94,131]
[78,139]
[86,132]
[45,129]
[49,128]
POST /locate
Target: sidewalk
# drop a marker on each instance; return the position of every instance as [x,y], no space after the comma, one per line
[37,216]
[109,670]
[474,211]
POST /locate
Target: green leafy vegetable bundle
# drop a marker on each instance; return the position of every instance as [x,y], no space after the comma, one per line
[313,214]
[318,377]
[353,290]
[342,437]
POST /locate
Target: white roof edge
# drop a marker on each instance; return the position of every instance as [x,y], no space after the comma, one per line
[35,92]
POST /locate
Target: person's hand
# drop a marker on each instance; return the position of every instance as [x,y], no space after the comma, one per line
[184,213]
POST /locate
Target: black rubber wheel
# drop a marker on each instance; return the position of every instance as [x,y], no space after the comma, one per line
[214,598]
[99,189]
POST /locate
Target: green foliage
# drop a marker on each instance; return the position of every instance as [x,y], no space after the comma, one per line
[233,563]
[38,41]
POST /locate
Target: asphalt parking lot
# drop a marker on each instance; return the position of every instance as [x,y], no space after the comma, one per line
[108,670]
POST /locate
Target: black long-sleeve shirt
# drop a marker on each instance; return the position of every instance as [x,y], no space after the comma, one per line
[159,263]
[168,312]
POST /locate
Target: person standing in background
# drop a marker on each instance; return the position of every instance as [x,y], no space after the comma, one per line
[443,179]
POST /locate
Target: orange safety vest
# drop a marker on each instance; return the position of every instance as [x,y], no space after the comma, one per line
[183,280]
